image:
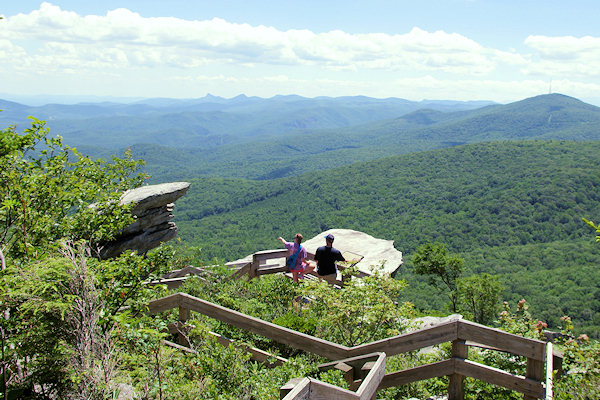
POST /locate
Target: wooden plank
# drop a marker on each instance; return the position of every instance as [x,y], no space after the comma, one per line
[370,384]
[188,270]
[253,267]
[289,386]
[455,384]
[301,391]
[269,330]
[245,269]
[184,314]
[535,371]
[271,269]
[499,377]
[164,304]
[420,373]
[530,348]
[441,333]
[180,330]
[355,362]
[325,391]
[346,370]
[549,370]
[172,283]
[557,361]
[365,369]
[261,256]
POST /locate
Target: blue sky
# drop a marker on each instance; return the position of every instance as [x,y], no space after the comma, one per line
[455,49]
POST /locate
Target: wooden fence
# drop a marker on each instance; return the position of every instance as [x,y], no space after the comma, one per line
[351,360]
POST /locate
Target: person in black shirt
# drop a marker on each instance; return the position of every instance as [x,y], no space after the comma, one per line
[326,257]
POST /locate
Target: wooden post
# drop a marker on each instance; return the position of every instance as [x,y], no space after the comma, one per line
[288,387]
[364,371]
[184,315]
[535,371]
[254,268]
[455,386]
[549,370]
[347,372]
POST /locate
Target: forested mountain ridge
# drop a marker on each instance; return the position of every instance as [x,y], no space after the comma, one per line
[211,121]
[256,138]
[553,116]
[500,205]
[543,117]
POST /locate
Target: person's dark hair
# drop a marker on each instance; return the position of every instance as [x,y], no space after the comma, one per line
[299,236]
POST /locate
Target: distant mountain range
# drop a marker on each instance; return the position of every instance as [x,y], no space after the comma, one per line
[256,138]
[539,118]
[211,121]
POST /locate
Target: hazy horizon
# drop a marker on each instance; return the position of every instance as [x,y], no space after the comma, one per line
[457,50]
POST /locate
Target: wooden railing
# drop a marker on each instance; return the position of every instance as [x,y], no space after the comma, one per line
[462,334]
[260,265]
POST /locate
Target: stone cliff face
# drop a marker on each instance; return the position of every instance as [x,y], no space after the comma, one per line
[153,213]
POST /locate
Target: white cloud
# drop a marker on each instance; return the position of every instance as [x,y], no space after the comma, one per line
[169,56]
[564,56]
[178,42]
[10,52]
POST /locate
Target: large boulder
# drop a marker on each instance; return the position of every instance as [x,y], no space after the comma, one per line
[352,244]
[153,213]
[355,244]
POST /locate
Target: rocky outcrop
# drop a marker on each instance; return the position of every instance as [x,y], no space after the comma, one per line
[153,213]
[353,245]
[356,244]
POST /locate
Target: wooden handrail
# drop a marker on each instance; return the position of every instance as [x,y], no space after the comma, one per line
[503,341]
[445,332]
[458,332]
[420,373]
[499,377]
[269,330]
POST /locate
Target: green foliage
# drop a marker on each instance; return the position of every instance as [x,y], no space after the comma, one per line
[511,209]
[122,280]
[580,378]
[520,322]
[51,308]
[50,191]
[364,310]
[37,301]
[433,261]
[489,199]
[52,343]
[479,295]
[597,228]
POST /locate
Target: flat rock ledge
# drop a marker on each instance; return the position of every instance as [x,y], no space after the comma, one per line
[352,244]
[153,213]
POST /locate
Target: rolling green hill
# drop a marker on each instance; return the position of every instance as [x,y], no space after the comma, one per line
[513,208]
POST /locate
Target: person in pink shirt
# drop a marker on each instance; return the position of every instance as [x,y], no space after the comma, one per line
[295,249]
